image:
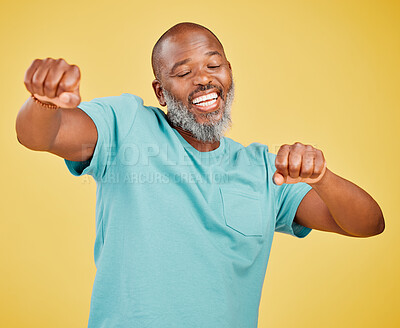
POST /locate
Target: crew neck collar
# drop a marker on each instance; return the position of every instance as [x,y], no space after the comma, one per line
[212,153]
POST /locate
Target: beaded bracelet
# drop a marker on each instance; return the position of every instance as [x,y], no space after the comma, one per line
[45,105]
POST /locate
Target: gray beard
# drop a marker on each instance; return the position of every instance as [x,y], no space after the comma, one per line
[211,131]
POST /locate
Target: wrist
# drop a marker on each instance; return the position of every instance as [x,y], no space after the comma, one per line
[324,182]
[44,104]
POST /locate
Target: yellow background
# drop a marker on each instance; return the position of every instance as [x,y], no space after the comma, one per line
[319,72]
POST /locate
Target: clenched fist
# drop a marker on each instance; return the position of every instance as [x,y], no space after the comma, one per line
[54,81]
[299,163]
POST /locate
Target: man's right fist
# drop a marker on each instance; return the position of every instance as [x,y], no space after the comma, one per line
[54,81]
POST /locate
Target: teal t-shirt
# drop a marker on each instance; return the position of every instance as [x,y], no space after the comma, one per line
[182,237]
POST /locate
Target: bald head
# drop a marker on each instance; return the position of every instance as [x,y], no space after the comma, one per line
[173,34]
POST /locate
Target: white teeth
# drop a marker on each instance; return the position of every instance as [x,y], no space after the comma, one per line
[204,98]
[207,103]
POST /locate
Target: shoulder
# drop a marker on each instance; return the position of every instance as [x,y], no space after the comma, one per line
[123,99]
[124,108]
[255,153]
[254,147]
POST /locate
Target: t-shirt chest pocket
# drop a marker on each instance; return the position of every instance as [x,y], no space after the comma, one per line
[242,211]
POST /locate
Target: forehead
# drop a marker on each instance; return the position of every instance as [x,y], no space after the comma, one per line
[188,44]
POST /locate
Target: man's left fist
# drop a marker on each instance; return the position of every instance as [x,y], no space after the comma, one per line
[299,163]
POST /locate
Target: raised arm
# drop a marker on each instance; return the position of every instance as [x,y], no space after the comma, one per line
[67,131]
[334,204]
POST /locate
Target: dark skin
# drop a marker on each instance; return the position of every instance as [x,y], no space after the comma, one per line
[334,204]
[62,132]
[194,59]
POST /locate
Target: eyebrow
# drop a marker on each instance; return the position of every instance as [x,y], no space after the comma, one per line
[185,61]
[212,53]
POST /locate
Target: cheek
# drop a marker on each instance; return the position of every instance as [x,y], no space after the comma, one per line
[226,76]
[179,91]
[225,79]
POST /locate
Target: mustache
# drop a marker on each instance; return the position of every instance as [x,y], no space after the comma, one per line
[204,88]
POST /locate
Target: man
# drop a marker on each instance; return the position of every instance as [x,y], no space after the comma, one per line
[184,216]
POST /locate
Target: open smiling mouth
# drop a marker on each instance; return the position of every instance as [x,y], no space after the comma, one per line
[207,102]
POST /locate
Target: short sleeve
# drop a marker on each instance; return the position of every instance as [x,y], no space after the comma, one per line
[287,199]
[113,118]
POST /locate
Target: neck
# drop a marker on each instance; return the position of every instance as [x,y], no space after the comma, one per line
[199,145]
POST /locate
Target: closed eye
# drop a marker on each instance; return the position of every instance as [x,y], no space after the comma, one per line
[215,66]
[183,74]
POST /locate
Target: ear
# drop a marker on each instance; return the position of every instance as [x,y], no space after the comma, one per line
[229,64]
[158,90]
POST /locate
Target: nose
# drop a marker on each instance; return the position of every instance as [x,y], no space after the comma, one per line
[202,78]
